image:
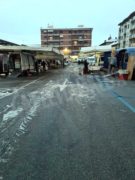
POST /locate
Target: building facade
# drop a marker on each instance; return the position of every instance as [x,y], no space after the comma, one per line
[126,36]
[69,40]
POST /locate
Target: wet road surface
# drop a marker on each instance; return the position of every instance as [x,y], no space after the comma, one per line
[64,126]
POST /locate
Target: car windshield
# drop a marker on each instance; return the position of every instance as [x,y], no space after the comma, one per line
[67,90]
[91,59]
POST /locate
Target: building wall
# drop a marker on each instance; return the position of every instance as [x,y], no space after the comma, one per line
[73,39]
[127,32]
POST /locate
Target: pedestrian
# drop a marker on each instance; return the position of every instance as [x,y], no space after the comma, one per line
[43,64]
[36,66]
[112,63]
[48,64]
[85,69]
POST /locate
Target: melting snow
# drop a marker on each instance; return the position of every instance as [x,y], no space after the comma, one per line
[6,92]
[62,86]
[12,114]
[79,91]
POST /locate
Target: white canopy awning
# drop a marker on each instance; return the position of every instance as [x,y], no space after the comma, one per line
[46,51]
[96,49]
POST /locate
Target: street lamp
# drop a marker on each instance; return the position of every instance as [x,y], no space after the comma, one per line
[66,51]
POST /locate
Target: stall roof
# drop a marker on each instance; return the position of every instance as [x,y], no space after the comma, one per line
[129,50]
[96,49]
[24,48]
[41,50]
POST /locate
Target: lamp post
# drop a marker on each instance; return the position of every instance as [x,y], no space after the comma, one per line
[66,51]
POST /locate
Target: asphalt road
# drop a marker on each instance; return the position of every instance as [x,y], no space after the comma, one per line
[66,126]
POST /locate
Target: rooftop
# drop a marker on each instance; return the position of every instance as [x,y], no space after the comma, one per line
[77,28]
[127,19]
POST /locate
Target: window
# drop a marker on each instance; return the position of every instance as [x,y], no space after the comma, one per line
[80,37]
[50,30]
[50,38]
[45,43]
[75,43]
[61,35]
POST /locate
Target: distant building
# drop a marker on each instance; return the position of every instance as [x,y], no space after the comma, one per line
[7,43]
[109,41]
[67,39]
[127,32]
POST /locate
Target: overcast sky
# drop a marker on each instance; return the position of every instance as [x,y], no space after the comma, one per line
[21,20]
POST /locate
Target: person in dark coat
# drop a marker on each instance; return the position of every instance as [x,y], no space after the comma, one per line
[43,64]
[36,66]
[85,69]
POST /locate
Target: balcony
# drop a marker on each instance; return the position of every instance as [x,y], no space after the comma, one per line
[50,34]
[81,45]
[54,45]
[132,44]
[132,28]
[77,34]
[132,36]
[80,33]
[53,40]
[81,40]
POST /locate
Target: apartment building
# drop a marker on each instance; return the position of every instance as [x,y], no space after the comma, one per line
[69,39]
[126,36]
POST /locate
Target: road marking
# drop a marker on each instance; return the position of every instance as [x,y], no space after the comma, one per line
[22,87]
[121,99]
[27,84]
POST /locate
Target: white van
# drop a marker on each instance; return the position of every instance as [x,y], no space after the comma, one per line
[91,60]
